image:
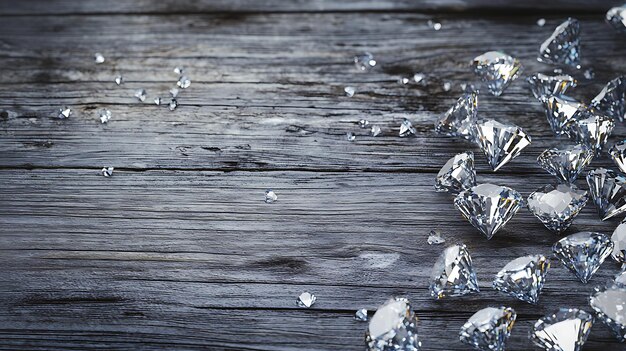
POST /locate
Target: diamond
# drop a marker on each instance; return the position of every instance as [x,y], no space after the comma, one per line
[619,243]
[157,101]
[460,118]
[419,78]
[560,110]
[434,24]
[612,99]
[361,315]
[616,17]
[107,171]
[567,162]
[523,277]
[404,80]
[541,22]
[350,136]
[141,94]
[457,174]
[375,131]
[610,307]
[563,46]
[364,61]
[64,113]
[565,330]
[447,86]
[98,57]
[406,129]
[119,80]
[306,300]
[497,69]
[500,142]
[173,104]
[488,207]
[453,274]
[488,329]
[183,82]
[349,91]
[608,191]
[618,154]
[589,73]
[363,123]
[556,206]
[174,92]
[270,196]
[179,70]
[105,116]
[393,327]
[591,128]
[583,253]
[543,84]
[435,238]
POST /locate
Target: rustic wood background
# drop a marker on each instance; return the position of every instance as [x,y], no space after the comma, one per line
[178,250]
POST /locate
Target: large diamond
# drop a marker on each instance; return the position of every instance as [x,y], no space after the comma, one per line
[608,192]
[619,243]
[583,253]
[488,207]
[523,277]
[560,110]
[567,162]
[563,46]
[457,174]
[489,328]
[497,70]
[565,330]
[543,84]
[610,307]
[393,328]
[500,142]
[460,118]
[591,128]
[556,206]
[612,99]
[453,274]
[618,154]
[616,17]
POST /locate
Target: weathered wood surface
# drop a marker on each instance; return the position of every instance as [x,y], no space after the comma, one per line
[178,250]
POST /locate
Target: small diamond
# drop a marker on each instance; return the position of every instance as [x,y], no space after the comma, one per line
[497,69]
[612,99]
[404,80]
[270,196]
[565,330]
[363,123]
[616,17]
[419,78]
[620,280]
[174,92]
[589,73]
[560,110]
[349,91]
[375,131]
[468,88]
[141,94]
[583,253]
[591,128]
[364,61]
[119,80]
[557,206]
[98,58]
[173,104]
[306,300]
[393,327]
[107,171]
[434,24]
[608,192]
[179,70]
[567,162]
[183,82]
[157,101]
[619,243]
[361,315]
[523,277]
[406,129]
[350,136]
[64,112]
[618,154]
[105,116]
[541,22]
[447,86]
[543,84]
[460,118]
[453,274]
[435,238]
[457,174]
[558,70]
[500,142]
[610,307]
[489,328]
[563,46]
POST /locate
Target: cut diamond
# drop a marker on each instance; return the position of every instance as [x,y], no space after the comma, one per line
[541,22]
[488,329]
[306,300]
[567,162]
[608,192]
[406,129]
[497,70]
[565,330]
[364,61]
[173,104]
[393,327]
[361,315]
[591,128]
[612,99]
[363,123]
[543,84]
[610,307]
[618,154]
[500,142]
[435,238]
[349,91]
[107,171]
[183,82]
[64,113]
[119,80]
[270,196]
[557,206]
[560,111]
[453,274]
[616,17]
[457,174]
[375,131]
[157,101]
[434,24]
[98,58]
[419,78]
[350,136]
[460,118]
[447,86]
[583,253]
[619,243]
[523,277]
[174,92]
[141,95]
[403,80]
[179,70]
[105,116]
[563,46]
[589,73]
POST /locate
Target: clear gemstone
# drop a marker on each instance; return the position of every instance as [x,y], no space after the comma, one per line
[179,70]
[543,84]
[488,207]
[306,300]
[567,162]
[523,277]
[489,328]
[105,116]
[404,80]
[174,92]
[500,142]
[610,307]
[497,70]
[64,112]
[591,128]
[363,123]
[364,61]
[270,196]
[375,131]
[618,154]
[589,73]
[434,24]
[612,99]
[419,78]
[541,22]
[349,91]
[361,315]
[157,101]
[141,94]
[560,110]
[350,136]
[435,238]
[565,330]
[406,129]
[563,46]
[98,57]
[557,206]
[107,171]
[619,243]
[453,274]
[173,104]
[616,17]
[119,80]
[457,174]
[583,253]
[183,82]
[608,192]
[460,118]
[447,86]
[393,328]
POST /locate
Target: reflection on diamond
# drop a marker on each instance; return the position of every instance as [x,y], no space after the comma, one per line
[460,118]
[107,171]
[563,46]
[393,327]
[619,243]
[612,99]
[567,162]
[489,328]
[500,142]
[453,274]
[543,84]
[565,330]
[560,111]
[556,206]
[608,192]
[610,307]
[616,17]
[457,174]
[618,155]
[497,70]
[583,253]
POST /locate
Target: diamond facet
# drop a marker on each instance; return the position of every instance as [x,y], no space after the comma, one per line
[141,94]
[618,154]
[64,112]
[393,327]
[457,174]
[608,192]
[363,123]
[563,46]
[453,274]
[375,131]
[619,243]
[349,91]
[105,116]
[560,111]
[306,300]
[591,128]
[583,253]
[610,307]
[567,162]
[361,315]
[565,330]
[364,61]
[107,171]
[523,277]
[460,118]
[616,17]
[612,99]
[497,70]
[406,129]
[488,329]
[270,196]
[556,206]
[543,84]
[500,142]
[435,238]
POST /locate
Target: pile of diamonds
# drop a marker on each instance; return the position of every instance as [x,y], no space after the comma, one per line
[488,207]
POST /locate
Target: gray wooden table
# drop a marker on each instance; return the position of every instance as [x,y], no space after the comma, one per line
[178,251]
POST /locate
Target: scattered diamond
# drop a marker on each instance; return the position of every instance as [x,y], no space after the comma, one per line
[107,171]
[610,307]
[523,278]
[183,82]
[306,300]
[179,70]
[364,62]
[500,142]
[119,80]
[447,86]
[563,46]
[363,123]
[64,112]
[541,22]
[406,129]
[157,101]
[270,196]
[105,116]
[173,104]
[434,24]
[375,131]
[565,330]
[583,253]
[589,73]
[560,110]
[393,327]
[567,162]
[460,118]
[457,174]
[453,274]
[616,17]
[349,91]
[98,58]
[497,70]
[608,192]
[618,154]
[141,95]
[435,238]
[557,206]
[419,78]
[174,92]
[404,80]
[489,328]
[591,128]
[543,84]
[619,243]
[361,315]
[612,99]
[350,136]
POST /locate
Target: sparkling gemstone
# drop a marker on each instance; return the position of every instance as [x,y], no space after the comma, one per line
[434,24]
[612,99]
[488,207]
[457,174]
[543,84]
[488,329]
[174,92]
[361,315]
[616,17]
[363,123]
[98,57]
[119,80]
[393,327]
[270,196]
[608,192]
[565,330]
[460,118]
[375,131]
[619,243]
[453,274]
[500,142]
[618,154]
[447,86]
[64,112]
[107,171]
[183,82]
[591,128]
[563,46]
[364,61]
[610,307]
[567,162]
[306,299]
[541,22]
[157,101]
[404,80]
[583,253]
[173,104]
[105,116]
[350,136]
[435,238]
[523,277]
[497,70]
[560,111]
[349,91]
[406,129]
[558,70]
[179,70]
[141,94]
[589,73]
[556,206]
[419,78]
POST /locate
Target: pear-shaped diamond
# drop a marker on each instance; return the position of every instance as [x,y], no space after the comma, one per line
[612,99]
[460,118]
[563,46]
[489,328]
[457,174]
[393,327]
[560,111]
[619,243]
[583,253]
[556,206]
[616,17]
[591,128]
[453,274]
[567,162]
[543,84]
[523,277]
[500,142]
[497,70]
[565,330]
[610,307]
[608,192]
